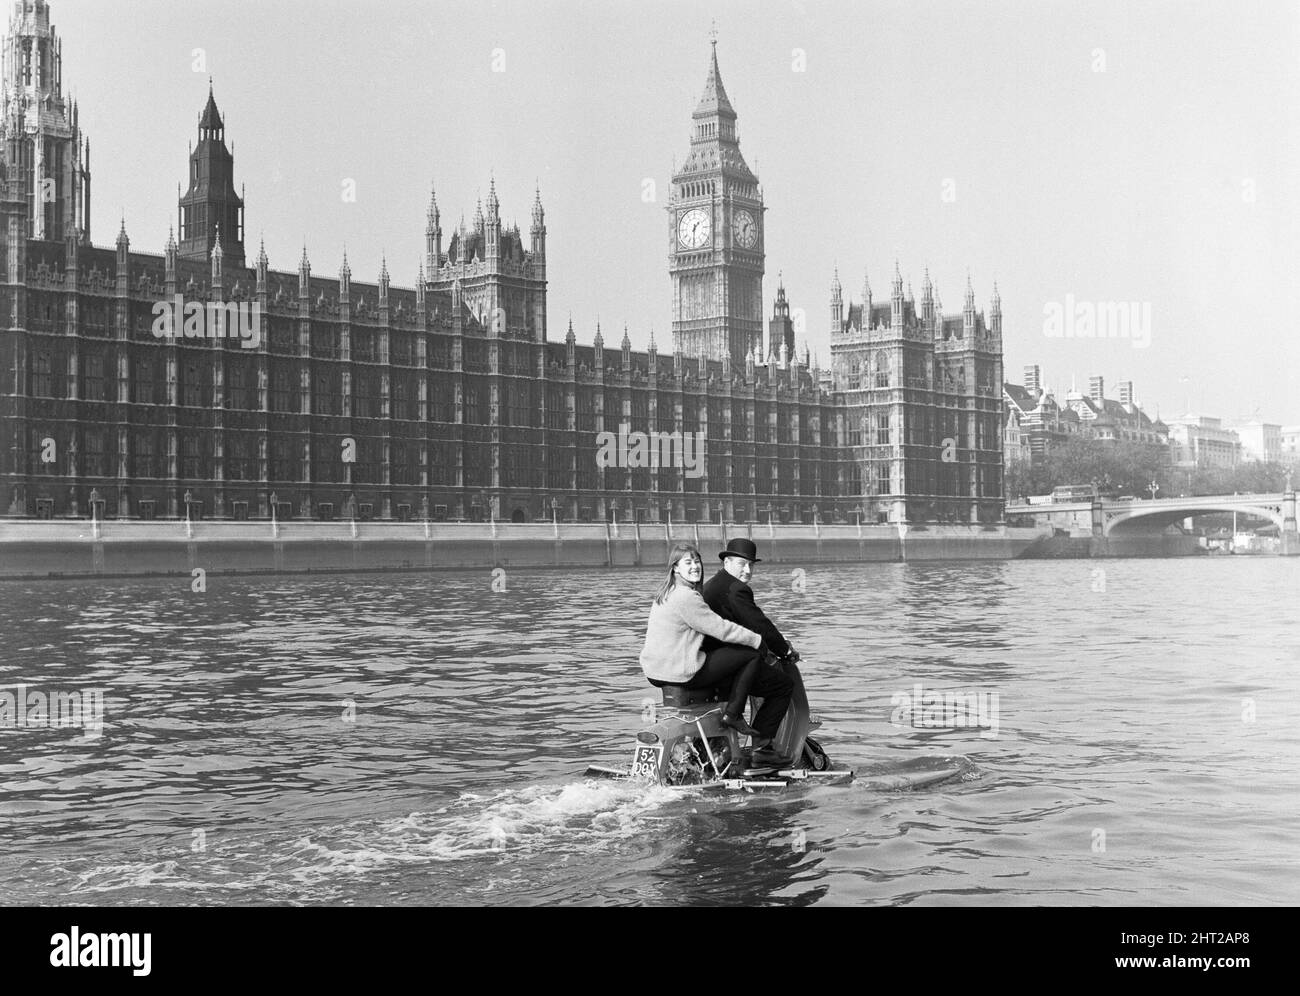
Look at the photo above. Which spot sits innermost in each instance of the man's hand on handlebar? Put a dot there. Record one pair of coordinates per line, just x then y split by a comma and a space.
791, 658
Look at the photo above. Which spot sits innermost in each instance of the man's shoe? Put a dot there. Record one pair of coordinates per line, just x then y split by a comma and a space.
738, 724
765, 757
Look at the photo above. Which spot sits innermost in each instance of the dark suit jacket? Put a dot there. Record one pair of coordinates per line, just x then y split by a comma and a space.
732, 599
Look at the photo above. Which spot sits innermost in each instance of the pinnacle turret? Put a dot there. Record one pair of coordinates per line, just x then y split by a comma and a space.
40, 134
433, 215
211, 199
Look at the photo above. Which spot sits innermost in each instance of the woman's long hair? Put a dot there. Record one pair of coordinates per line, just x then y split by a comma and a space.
679, 551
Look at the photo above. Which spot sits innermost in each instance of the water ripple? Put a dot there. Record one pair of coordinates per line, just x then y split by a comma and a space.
418, 740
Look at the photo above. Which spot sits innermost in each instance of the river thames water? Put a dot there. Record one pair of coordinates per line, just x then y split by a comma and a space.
420, 739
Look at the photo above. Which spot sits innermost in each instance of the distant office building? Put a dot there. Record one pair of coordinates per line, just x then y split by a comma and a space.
1289, 444
1096, 387
1202, 441
1043, 422
1261, 442
1115, 421
1034, 380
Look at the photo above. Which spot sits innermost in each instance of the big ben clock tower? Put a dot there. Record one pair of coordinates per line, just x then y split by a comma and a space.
715, 223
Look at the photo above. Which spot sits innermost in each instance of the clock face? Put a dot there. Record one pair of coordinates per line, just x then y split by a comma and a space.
694, 228
744, 230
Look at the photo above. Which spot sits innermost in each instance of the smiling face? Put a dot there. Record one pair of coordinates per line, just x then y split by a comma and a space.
689, 570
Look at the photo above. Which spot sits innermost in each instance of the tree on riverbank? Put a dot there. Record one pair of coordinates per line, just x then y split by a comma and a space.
1127, 468
1120, 468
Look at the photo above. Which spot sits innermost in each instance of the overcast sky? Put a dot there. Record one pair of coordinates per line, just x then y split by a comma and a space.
1113, 151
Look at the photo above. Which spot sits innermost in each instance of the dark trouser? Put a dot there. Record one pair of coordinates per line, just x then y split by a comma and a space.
744, 669
772, 685
731, 668
728, 667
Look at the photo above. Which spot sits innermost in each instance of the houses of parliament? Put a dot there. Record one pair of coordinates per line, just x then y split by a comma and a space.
450, 400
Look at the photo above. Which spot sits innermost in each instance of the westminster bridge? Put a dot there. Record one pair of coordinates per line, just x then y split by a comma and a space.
1114, 524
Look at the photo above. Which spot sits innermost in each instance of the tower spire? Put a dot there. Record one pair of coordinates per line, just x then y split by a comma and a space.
433, 215
211, 202
837, 303
433, 233
968, 310
896, 300
714, 101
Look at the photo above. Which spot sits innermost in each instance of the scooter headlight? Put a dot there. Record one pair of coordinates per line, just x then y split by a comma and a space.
646, 737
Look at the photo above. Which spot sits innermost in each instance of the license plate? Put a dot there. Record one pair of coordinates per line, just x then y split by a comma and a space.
645, 760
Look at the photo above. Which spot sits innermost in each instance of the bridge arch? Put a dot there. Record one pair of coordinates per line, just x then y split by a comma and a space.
1152, 517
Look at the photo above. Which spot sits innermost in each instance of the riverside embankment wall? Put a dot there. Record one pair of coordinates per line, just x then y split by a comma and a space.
76, 548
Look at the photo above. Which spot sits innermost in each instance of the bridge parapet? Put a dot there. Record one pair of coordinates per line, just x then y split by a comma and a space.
1104, 516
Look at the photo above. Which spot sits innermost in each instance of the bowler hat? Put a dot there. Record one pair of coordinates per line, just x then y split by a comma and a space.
741, 548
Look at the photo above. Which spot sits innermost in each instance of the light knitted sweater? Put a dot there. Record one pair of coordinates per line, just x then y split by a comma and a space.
677, 628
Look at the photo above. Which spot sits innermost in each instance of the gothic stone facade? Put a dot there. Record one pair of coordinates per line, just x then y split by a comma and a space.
922, 395
342, 398
365, 399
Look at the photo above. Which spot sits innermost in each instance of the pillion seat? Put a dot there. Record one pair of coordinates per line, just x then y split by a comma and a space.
681, 696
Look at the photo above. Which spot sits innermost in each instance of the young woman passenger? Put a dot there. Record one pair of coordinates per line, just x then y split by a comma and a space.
679, 622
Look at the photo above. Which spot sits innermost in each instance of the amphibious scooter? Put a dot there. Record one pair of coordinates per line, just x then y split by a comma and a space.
685, 744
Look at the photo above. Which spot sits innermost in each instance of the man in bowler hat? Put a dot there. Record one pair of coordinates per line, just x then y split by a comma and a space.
729, 595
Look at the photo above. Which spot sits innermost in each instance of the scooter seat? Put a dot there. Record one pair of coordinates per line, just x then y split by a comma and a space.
680, 695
